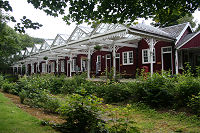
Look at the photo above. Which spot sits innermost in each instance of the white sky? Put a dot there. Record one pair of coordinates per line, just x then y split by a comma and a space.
51, 26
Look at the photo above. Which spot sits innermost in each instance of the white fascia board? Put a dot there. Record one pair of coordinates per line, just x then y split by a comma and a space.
182, 32
149, 35
126, 45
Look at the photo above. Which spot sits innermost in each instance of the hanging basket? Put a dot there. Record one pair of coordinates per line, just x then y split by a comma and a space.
45, 58
97, 48
22, 63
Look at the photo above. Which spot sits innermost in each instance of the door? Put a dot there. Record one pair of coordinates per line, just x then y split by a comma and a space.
167, 61
108, 62
117, 62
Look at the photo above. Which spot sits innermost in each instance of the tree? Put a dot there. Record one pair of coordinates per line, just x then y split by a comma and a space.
113, 11
176, 20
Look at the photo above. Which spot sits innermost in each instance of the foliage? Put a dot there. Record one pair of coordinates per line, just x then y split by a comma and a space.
194, 103
81, 113
113, 92
22, 96
121, 120
97, 47
174, 19
10, 88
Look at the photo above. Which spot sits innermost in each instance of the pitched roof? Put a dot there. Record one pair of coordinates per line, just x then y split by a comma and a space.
174, 30
150, 29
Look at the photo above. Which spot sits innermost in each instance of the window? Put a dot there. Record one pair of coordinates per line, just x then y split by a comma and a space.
43, 67
73, 65
98, 63
108, 56
146, 56
62, 65
52, 66
128, 58
117, 55
83, 64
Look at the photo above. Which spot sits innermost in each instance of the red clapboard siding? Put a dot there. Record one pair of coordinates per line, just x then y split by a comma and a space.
128, 69
158, 65
103, 59
195, 42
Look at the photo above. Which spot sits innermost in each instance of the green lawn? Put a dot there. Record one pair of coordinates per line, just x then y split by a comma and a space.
15, 120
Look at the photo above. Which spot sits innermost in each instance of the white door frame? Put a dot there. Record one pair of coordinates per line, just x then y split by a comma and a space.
162, 53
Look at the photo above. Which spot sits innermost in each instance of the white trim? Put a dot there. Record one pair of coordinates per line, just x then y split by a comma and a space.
128, 60
108, 59
148, 55
166, 53
98, 61
62, 66
182, 32
188, 40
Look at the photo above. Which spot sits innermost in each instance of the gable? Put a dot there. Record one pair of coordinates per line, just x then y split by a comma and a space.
191, 41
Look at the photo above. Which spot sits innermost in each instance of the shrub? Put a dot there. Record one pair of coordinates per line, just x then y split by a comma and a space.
81, 114
185, 88
114, 92
44, 100
2, 80
155, 92
194, 103
22, 96
11, 88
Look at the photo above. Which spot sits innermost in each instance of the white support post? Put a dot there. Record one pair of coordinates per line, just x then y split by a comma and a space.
70, 70
46, 66
114, 61
25, 68
151, 47
57, 64
17, 69
176, 60
38, 69
31, 68
88, 62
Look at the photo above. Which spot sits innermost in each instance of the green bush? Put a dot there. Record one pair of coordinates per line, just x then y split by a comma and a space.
2, 80
194, 103
185, 88
156, 93
81, 114
22, 96
113, 92
44, 100
11, 88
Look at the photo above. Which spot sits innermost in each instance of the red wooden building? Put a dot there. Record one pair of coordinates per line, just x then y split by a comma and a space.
123, 49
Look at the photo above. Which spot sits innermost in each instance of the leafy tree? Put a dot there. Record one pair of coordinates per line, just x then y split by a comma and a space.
175, 20
113, 11
198, 28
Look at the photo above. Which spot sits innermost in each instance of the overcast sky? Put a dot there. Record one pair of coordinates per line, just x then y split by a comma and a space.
51, 26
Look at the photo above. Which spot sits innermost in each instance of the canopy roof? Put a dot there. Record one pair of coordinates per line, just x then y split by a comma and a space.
103, 34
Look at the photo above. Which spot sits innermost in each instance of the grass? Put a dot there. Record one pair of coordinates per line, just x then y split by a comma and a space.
150, 121
14, 120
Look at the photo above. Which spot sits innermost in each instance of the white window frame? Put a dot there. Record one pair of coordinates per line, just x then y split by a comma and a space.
62, 66
99, 61
73, 65
148, 55
43, 67
83, 59
53, 66
128, 58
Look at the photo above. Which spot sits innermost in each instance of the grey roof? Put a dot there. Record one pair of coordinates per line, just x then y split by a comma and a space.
174, 30
186, 38
151, 29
